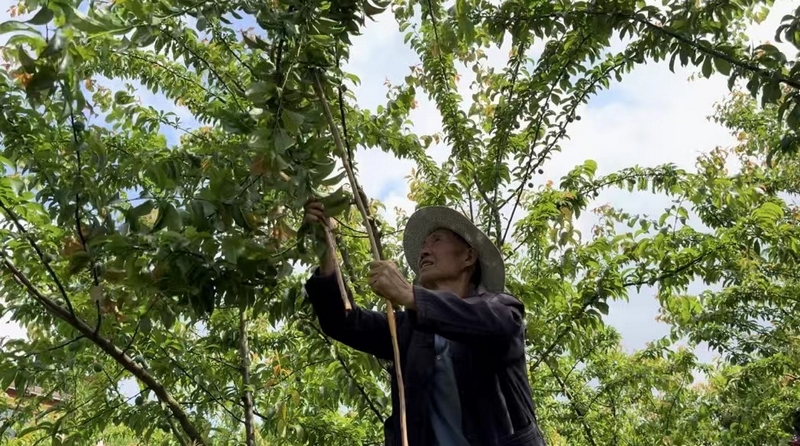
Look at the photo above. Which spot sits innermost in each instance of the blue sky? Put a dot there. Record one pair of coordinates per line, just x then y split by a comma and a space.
653, 117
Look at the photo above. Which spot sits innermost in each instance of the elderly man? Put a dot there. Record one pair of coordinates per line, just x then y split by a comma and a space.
461, 337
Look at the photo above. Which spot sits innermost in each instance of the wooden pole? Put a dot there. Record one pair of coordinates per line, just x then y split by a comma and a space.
376, 254
331, 242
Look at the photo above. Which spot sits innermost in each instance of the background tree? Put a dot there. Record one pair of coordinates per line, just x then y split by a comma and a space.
178, 263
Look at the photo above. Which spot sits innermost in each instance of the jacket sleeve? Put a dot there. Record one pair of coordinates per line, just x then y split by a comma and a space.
361, 329
491, 320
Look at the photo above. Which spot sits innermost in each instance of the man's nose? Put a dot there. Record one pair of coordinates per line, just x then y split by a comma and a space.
425, 252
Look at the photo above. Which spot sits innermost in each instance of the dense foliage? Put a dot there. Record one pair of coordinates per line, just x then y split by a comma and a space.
127, 256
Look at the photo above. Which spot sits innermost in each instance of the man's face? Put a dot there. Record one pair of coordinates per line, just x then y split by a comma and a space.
444, 257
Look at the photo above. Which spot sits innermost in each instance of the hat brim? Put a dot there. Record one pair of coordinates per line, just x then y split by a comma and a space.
430, 218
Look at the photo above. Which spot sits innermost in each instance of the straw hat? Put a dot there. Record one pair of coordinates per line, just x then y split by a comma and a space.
430, 218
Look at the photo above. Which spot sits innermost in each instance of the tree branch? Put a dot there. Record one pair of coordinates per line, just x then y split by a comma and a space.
56, 347
209, 67
78, 224
763, 72
174, 73
494, 214
15, 219
109, 348
500, 139
581, 311
247, 396
580, 413
350, 375
532, 166
200, 386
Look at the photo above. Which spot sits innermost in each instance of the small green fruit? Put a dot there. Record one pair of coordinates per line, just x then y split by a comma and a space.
139, 400
97, 367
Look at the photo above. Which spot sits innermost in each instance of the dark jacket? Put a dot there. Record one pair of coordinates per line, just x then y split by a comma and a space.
487, 335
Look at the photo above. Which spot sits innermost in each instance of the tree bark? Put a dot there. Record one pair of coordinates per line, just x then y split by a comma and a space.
247, 396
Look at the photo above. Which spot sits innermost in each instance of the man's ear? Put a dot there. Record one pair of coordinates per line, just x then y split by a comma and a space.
472, 256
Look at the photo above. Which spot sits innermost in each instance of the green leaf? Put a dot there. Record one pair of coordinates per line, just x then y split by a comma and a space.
88, 24
708, 69
770, 93
167, 216
143, 209
336, 203
723, 66
240, 219
14, 25
145, 325
768, 214
232, 248
79, 261
292, 121
590, 166
42, 17
282, 141
25, 60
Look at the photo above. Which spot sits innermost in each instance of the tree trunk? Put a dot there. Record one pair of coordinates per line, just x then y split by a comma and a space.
247, 397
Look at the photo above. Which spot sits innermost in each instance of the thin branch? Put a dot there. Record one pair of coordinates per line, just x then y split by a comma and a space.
236, 56
106, 409
350, 375
175, 431
500, 139
342, 113
62, 345
362, 233
209, 67
579, 413
331, 248
763, 72
194, 381
581, 311
9, 420
532, 166
175, 73
15, 219
495, 211
78, 224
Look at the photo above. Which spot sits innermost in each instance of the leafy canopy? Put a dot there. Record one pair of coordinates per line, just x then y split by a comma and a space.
137, 246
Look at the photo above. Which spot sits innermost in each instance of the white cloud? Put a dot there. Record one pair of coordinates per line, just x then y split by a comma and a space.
10, 329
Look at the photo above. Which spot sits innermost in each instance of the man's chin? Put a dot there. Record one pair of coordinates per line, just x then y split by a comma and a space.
426, 280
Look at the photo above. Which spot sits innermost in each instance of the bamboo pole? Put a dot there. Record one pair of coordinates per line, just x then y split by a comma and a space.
331, 242
376, 254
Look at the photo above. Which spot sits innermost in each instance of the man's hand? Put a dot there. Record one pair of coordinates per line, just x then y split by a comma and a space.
314, 216
315, 213
387, 281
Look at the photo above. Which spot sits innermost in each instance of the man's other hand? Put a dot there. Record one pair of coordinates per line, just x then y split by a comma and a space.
386, 281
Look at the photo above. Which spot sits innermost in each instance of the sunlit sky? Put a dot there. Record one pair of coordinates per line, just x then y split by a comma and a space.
654, 116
